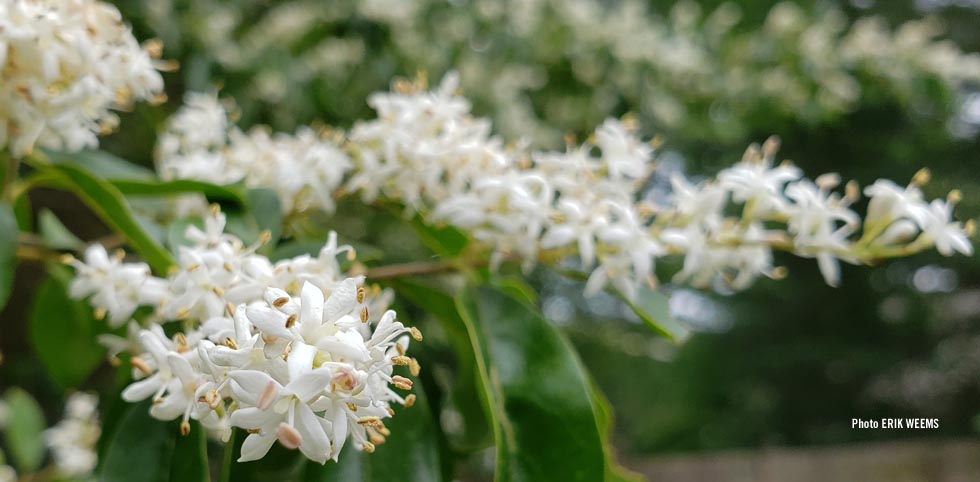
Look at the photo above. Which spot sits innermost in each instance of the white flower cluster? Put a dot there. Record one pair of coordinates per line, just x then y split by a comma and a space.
73, 440
428, 152
284, 350
65, 64
703, 74
201, 143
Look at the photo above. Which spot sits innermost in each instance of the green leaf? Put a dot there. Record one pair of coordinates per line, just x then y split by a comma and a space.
653, 307
141, 448
446, 241
604, 420
110, 205
8, 252
101, 164
536, 390
63, 332
410, 454
55, 234
261, 211
190, 457
24, 432
464, 392
149, 187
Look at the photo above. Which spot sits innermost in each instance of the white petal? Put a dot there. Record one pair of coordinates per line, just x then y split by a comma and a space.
269, 321
300, 359
341, 301
315, 444
310, 384
254, 417
256, 446
142, 389
311, 311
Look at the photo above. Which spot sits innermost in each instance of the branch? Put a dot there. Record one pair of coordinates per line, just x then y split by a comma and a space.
410, 269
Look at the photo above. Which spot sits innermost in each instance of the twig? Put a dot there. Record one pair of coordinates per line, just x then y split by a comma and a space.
410, 269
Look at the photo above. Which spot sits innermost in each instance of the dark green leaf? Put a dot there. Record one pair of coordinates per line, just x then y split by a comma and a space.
55, 234
464, 393
544, 424
190, 459
141, 448
107, 202
150, 187
8, 252
653, 307
24, 432
410, 454
63, 331
102, 164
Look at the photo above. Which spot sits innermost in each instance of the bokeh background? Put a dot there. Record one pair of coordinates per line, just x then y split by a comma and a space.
784, 364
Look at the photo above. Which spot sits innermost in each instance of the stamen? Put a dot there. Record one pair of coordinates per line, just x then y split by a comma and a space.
409, 400
414, 368
368, 447
291, 320
278, 302
401, 382
288, 436
401, 360
267, 396
364, 314
416, 333
141, 365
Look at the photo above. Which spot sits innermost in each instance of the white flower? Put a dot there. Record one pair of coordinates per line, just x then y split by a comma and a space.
115, 288
73, 440
939, 229
65, 65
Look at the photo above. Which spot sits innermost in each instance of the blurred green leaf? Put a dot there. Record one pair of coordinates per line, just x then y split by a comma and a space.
150, 187
261, 211
190, 457
110, 205
102, 164
24, 432
55, 234
464, 392
536, 389
446, 241
410, 454
63, 331
8, 252
141, 448
604, 420
653, 307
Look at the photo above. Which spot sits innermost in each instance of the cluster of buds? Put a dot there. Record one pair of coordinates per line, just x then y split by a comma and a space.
288, 351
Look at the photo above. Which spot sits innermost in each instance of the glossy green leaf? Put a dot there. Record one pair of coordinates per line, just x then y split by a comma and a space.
24, 430
63, 332
537, 391
150, 187
410, 454
653, 307
475, 432
102, 164
110, 205
55, 234
141, 448
8, 252
190, 456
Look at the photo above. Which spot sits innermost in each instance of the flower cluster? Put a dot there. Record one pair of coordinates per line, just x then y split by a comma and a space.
200, 143
706, 75
427, 151
284, 350
73, 440
66, 64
